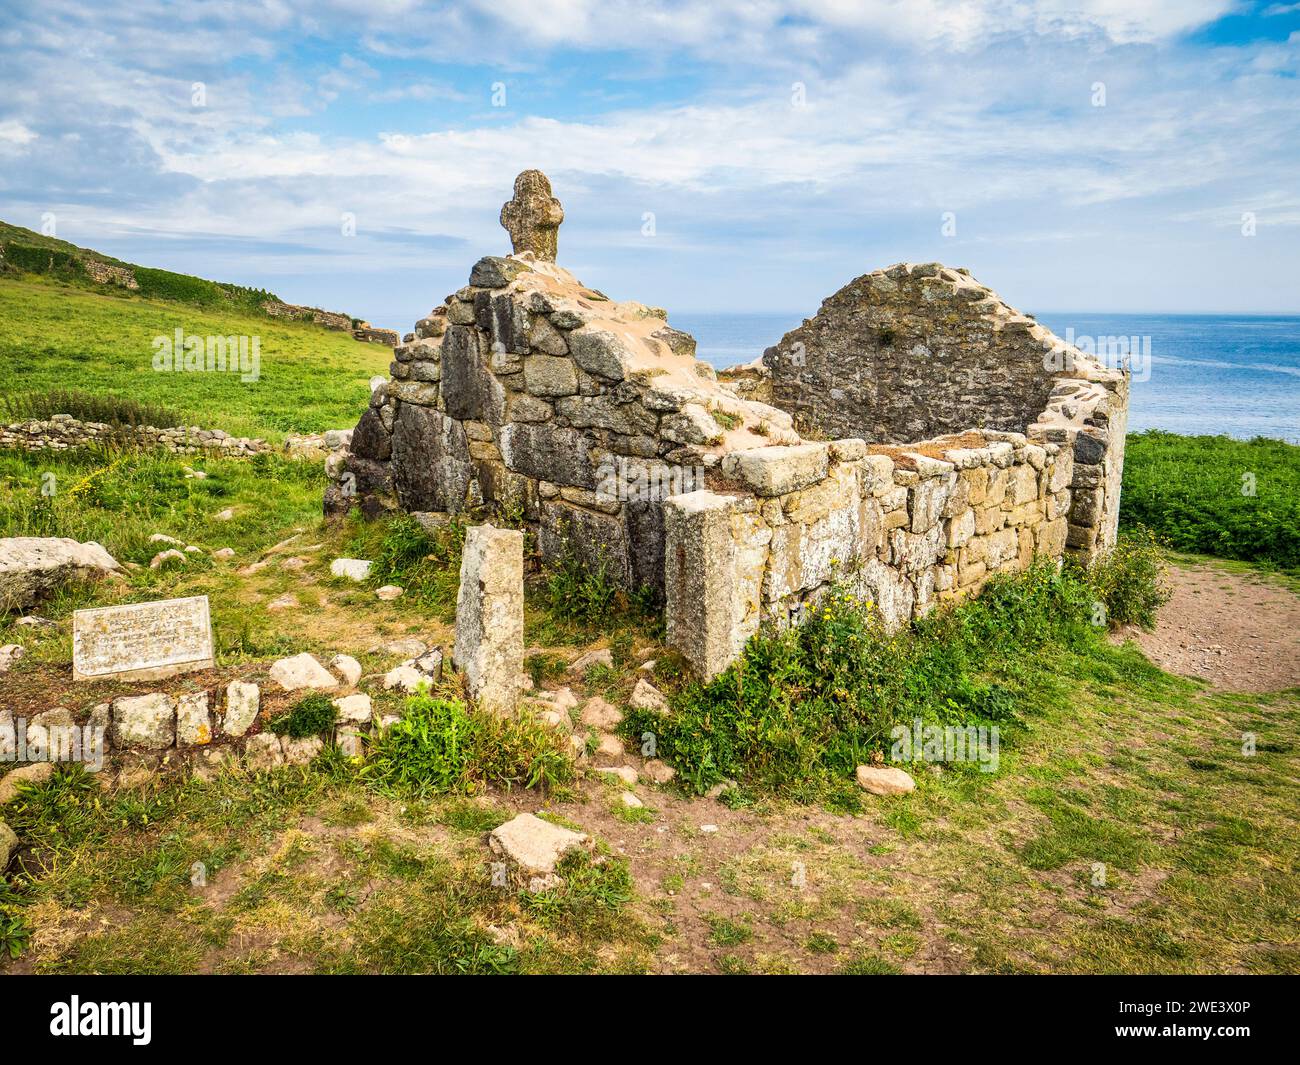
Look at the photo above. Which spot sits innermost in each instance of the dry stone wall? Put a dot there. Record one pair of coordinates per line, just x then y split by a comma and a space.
61, 431
903, 528
532, 395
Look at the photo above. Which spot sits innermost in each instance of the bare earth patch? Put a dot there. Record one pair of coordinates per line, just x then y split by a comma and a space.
1239, 631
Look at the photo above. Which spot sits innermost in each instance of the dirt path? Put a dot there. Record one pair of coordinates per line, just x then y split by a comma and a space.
1238, 631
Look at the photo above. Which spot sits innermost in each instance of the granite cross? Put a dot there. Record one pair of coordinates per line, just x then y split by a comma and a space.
533, 217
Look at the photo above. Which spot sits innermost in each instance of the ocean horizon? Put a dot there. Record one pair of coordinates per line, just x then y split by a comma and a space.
1231, 375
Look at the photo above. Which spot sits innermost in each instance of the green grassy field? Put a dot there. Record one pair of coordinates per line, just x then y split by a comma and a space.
1213, 495
59, 336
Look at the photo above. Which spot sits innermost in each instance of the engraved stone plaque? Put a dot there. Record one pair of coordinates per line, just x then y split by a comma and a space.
142, 641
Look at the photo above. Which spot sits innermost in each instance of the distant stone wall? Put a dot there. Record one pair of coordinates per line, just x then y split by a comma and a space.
294, 313
905, 527
61, 432
371, 335
107, 273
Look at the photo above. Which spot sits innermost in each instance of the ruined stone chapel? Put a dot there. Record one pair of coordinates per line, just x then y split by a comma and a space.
917, 435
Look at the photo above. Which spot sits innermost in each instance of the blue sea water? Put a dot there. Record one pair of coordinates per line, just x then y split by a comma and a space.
1238, 375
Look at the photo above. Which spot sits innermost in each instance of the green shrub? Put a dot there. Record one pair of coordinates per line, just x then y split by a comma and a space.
580, 593
310, 716
802, 707
425, 563
1127, 580
1213, 495
441, 746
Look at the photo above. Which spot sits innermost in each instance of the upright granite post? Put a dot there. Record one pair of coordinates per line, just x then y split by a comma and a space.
700, 580
490, 617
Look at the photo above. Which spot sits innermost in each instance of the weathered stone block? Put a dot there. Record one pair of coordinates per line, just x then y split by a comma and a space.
550, 376
601, 353
490, 616
774, 471
699, 576
193, 720
147, 721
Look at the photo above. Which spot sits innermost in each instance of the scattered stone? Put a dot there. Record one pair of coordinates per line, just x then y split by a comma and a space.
534, 848
33, 566
406, 677
350, 742
625, 773
600, 714
658, 772
884, 780
302, 671
163, 557
645, 696
708, 829
293, 563
263, 752
348, 668
430, 664
353, 709
610, 746
490, 616
354, 569
553, 718
36, 773
242, 701
288, 601
631, 801
389, 592
223, 554
9, 654
162, 538
223, 515
147, 721
193, 721
603, 657
407, 646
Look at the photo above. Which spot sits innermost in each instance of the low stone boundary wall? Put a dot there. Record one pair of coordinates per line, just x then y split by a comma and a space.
61, 432
905, 527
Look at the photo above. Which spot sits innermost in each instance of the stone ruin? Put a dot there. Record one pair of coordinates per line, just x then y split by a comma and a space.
915, 437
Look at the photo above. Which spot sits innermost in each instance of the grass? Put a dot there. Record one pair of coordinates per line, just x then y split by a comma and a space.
385, 896
310, 379
1213, 495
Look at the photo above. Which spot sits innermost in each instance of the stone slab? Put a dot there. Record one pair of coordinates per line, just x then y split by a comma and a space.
142, 641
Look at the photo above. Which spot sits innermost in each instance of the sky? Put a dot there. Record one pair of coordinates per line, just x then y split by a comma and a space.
729, 156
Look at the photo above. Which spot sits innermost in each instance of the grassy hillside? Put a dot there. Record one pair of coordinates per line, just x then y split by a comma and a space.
57, 335
1216, 496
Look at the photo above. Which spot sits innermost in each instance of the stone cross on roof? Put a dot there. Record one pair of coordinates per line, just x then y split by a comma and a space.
533, 217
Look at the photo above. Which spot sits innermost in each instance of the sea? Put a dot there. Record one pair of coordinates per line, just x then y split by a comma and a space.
1235, 375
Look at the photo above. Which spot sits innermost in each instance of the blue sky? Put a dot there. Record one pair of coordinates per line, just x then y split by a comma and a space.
1093, 155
